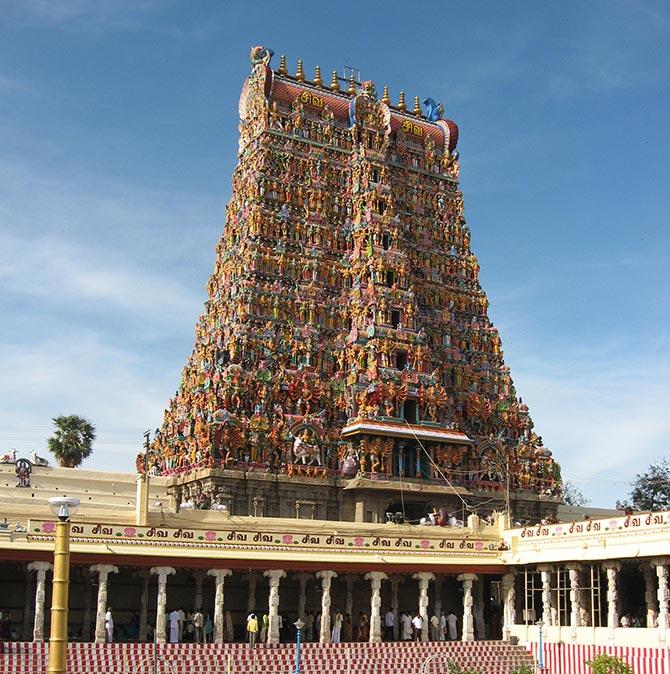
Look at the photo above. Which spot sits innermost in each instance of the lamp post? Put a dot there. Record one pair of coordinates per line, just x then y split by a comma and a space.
299, 624
540, 650
62, 507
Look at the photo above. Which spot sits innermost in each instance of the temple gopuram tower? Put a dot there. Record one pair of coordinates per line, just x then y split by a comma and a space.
344, 366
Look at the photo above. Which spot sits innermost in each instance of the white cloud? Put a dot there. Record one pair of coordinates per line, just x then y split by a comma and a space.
62, 271
602, 410
80, 374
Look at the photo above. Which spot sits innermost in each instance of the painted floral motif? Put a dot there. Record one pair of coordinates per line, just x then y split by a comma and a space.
359, 541
210, 535
425, 544
130, 532
287, 539
48, 527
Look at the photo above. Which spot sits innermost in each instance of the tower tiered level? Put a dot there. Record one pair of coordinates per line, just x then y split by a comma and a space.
345, 365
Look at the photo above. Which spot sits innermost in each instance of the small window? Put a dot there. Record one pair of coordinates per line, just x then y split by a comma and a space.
395, 317
381, 207
386, 241
390, 278
400, 360
375, 175
409, 411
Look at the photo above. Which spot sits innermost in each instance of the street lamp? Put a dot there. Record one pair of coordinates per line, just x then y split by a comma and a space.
298, 624
62, 507
540, 650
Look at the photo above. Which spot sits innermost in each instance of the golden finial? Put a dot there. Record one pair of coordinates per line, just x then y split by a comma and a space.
385, 96
401, 102
352, 86
317, 77
283, 70
417, 107
300, 75
334, 84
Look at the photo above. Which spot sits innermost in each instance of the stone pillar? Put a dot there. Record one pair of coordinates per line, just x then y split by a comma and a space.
349, 579
650, 593
303, 578
27, 601
663, 595
424, 578
575, 599
103, 571
468, 621
547, 604
161, 624
251, 596
508, 587
41, 569
437, 599
478, 609
220, 576
143, 575
375, 578
275, 575
198, 577
395, 581
612, 568
324, 628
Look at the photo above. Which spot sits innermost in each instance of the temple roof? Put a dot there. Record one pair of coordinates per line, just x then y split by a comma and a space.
404, 430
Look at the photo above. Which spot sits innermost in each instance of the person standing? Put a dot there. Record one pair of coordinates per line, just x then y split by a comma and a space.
389, 624
443, 627
265, 623
182, 620
252, 629
452, 622
336, 632
209, 629
348, 629
109, 626
173, 620
406, 626
198, 622
435, 627
417, 624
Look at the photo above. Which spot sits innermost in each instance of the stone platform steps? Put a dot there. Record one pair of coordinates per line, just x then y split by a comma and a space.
350, 658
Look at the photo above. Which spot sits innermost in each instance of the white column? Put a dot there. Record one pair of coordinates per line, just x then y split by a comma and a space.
395, 581
650, 594
220, 576
545, 575
41, 569
424, 578
509, 608
251, 596
663, 595
143, 575
612, 569
303, 578
161, 625
275, 575
103, 571
324, 628
575, 599
375, 578
468, 621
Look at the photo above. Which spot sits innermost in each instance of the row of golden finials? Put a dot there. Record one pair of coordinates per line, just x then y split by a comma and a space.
335, 86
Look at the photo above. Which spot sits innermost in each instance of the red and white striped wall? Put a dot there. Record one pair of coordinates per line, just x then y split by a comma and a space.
562, 658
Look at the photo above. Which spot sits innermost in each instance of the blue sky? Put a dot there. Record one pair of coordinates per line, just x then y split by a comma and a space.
118, 136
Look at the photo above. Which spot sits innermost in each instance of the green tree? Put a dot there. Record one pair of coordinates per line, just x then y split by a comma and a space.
651, 490
608, 664
72, 440
574, 496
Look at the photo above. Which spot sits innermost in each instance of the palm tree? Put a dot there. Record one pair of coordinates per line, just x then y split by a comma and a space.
72, 440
